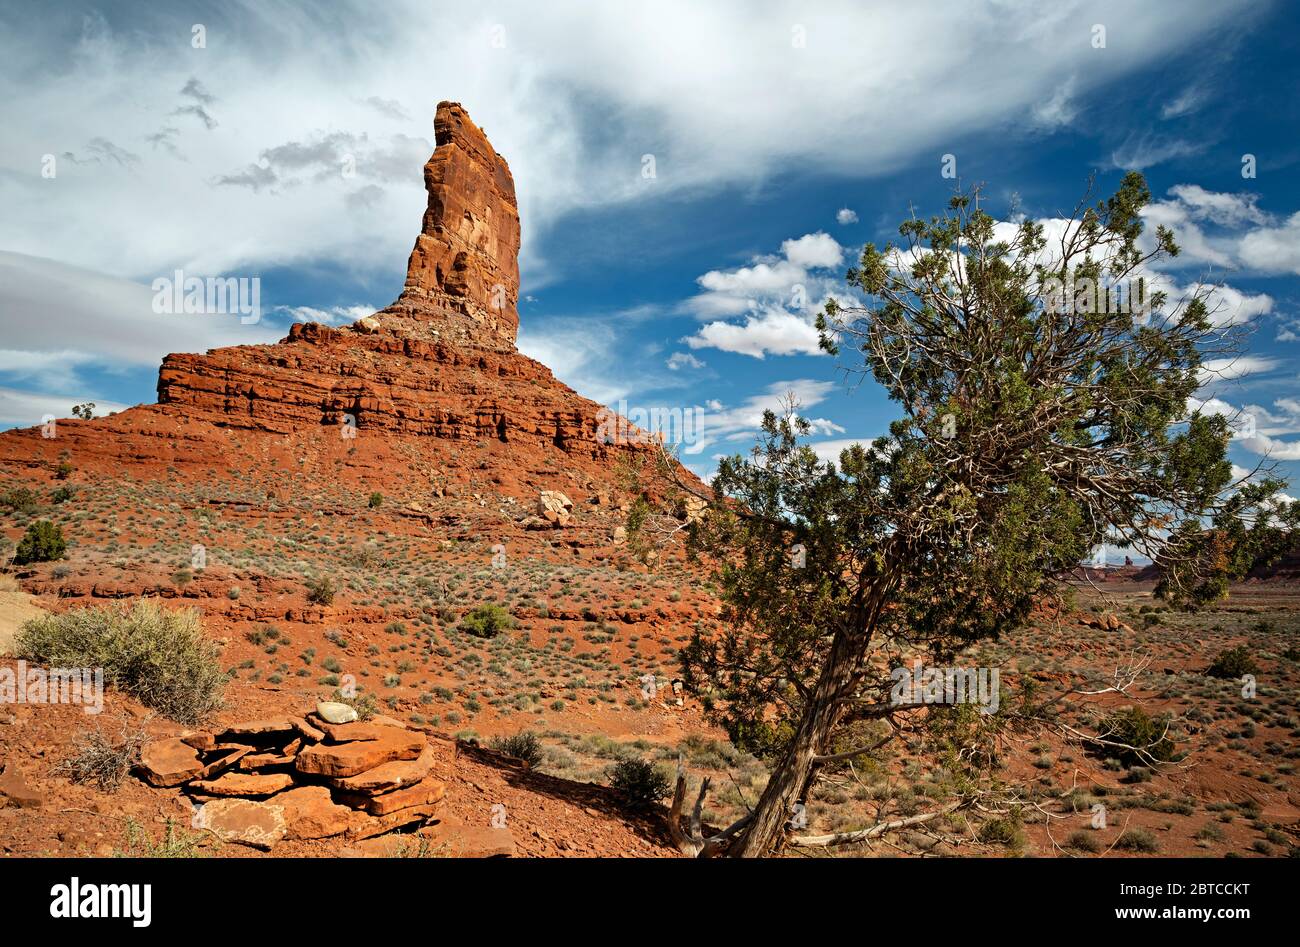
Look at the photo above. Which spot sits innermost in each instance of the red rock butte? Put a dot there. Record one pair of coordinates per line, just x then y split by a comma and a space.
438, 367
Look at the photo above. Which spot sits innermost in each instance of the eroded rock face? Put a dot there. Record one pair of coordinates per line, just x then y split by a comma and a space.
466, 256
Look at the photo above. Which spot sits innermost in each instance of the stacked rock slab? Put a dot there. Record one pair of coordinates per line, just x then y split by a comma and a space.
265, 781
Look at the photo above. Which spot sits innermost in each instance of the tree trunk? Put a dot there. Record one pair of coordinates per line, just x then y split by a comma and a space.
794, 774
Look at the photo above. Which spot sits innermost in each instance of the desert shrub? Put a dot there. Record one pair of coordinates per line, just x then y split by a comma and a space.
642, 783
1134, 727
1138, 840
63, 471
487, 621
1001, 831
20, 500
159, 657
98, 761
43, 542
62, 495
376, 500
1083, 841
1233, 663
522, 746
320, 591
175, 843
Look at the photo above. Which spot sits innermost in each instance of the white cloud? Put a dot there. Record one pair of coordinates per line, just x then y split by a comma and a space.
1059, 110
846, 216
813, 251
1186, 102
1273, 249
679, 360
335, 315
773, 331
778, 298
743, 422
573, 99
1228, 369
58, 319
1141, 151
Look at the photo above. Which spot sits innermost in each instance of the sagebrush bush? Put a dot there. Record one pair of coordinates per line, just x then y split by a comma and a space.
522, 746
642, 783
487, 621
159, 657
320, 591
1145, 738
43, 542
1138, 840
1233, 663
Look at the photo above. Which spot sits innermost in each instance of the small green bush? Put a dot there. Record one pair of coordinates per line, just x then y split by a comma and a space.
642, 783
159, 657
487, 621
376, 500
20, 500
522, 746
1134, 727
43, 542
1233, 663
1138, 840
320, 591
1083, 841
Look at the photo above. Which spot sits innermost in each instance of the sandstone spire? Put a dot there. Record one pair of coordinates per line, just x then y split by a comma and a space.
463, 274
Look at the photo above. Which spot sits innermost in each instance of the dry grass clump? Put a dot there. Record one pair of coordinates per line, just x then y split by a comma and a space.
159, 657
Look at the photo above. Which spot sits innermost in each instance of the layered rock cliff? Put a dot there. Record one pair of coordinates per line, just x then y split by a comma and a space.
440, 361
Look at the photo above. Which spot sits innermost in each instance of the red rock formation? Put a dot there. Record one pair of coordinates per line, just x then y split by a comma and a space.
466, 257
438, 365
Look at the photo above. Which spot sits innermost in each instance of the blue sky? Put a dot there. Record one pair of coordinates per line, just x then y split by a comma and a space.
783, 137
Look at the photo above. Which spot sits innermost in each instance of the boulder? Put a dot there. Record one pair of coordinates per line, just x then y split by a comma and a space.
333, 712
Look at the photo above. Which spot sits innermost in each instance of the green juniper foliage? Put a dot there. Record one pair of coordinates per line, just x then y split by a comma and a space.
1036, 422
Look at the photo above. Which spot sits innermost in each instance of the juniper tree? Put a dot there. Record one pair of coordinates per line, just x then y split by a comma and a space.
1036, 422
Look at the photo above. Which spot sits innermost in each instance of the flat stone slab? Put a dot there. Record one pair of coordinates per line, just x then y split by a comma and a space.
223, 763
349, 759
259, 824
169, 762
390, 776
310, 813
244, 784
380, 825
423, 793
259, 728
473, 841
